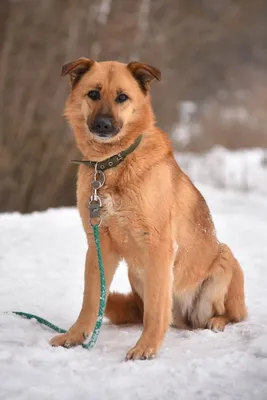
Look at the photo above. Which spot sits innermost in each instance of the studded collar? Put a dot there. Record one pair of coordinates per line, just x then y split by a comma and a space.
112, 161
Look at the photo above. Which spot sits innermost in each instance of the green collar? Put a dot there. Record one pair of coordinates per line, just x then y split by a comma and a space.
111, 161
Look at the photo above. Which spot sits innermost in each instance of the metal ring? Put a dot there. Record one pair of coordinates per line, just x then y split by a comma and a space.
95, 198
98, 223
102, 177
110, 163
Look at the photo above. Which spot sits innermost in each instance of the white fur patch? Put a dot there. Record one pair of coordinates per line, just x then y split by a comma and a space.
175, 248
186, 301
108, 205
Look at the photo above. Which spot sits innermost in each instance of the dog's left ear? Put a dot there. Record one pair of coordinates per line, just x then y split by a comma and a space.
76, 69
144, 74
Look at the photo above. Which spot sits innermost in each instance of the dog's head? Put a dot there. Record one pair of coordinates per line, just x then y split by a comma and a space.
108, 99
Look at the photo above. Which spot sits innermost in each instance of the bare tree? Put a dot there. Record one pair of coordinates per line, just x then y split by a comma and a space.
201, 46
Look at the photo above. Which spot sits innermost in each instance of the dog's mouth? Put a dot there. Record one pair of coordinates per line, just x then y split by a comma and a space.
104, 127
103, 135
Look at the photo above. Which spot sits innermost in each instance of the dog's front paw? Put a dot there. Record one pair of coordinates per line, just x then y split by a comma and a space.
141, 352
69, 339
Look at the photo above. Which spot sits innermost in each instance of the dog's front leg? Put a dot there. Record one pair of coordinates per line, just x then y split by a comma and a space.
157, 300
88, 314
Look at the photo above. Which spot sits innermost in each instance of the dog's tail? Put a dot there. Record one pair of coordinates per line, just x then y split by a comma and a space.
124, 308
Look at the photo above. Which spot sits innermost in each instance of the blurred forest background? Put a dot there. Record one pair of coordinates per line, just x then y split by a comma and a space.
213, 58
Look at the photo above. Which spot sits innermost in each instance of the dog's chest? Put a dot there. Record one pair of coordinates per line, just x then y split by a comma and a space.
114, 210
119, 214
109, 205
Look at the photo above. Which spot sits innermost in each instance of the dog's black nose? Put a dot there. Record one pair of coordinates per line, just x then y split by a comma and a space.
103, 125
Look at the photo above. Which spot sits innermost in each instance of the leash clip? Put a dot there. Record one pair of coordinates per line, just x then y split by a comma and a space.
95, 202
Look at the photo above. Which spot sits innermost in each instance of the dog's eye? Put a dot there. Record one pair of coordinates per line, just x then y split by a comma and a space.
94, 95
122, 98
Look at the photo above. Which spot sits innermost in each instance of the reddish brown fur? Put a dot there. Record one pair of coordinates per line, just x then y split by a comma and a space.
124, 308
150, 207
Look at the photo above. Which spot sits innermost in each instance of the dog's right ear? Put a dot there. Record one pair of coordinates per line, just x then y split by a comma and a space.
76, 69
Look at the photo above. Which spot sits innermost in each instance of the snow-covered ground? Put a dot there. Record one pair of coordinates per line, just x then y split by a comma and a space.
244, 170
41, 270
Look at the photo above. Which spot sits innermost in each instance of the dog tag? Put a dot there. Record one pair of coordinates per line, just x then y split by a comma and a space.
96, 185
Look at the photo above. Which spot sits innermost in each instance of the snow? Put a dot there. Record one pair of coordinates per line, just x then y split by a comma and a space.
244, 169
41, 269
188, 127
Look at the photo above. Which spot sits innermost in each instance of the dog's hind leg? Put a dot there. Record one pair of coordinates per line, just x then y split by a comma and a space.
210, 296
235, 307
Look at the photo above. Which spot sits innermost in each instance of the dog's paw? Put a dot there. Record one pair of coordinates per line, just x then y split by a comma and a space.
141, 352
69, 339
217, 324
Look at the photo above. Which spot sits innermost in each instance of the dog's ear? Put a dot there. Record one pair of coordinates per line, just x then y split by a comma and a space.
76, 69
144, 74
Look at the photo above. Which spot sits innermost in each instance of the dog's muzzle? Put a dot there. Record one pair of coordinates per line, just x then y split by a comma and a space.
104, 127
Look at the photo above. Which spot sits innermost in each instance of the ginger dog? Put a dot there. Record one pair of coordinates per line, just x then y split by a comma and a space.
152, 216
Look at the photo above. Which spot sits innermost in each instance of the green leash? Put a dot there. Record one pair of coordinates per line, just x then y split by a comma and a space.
102, 302
94, 205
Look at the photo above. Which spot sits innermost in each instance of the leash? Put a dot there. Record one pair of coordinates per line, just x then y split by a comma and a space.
95, 220
94, 205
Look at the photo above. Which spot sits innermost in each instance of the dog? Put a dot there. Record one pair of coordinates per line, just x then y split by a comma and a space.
152, 216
